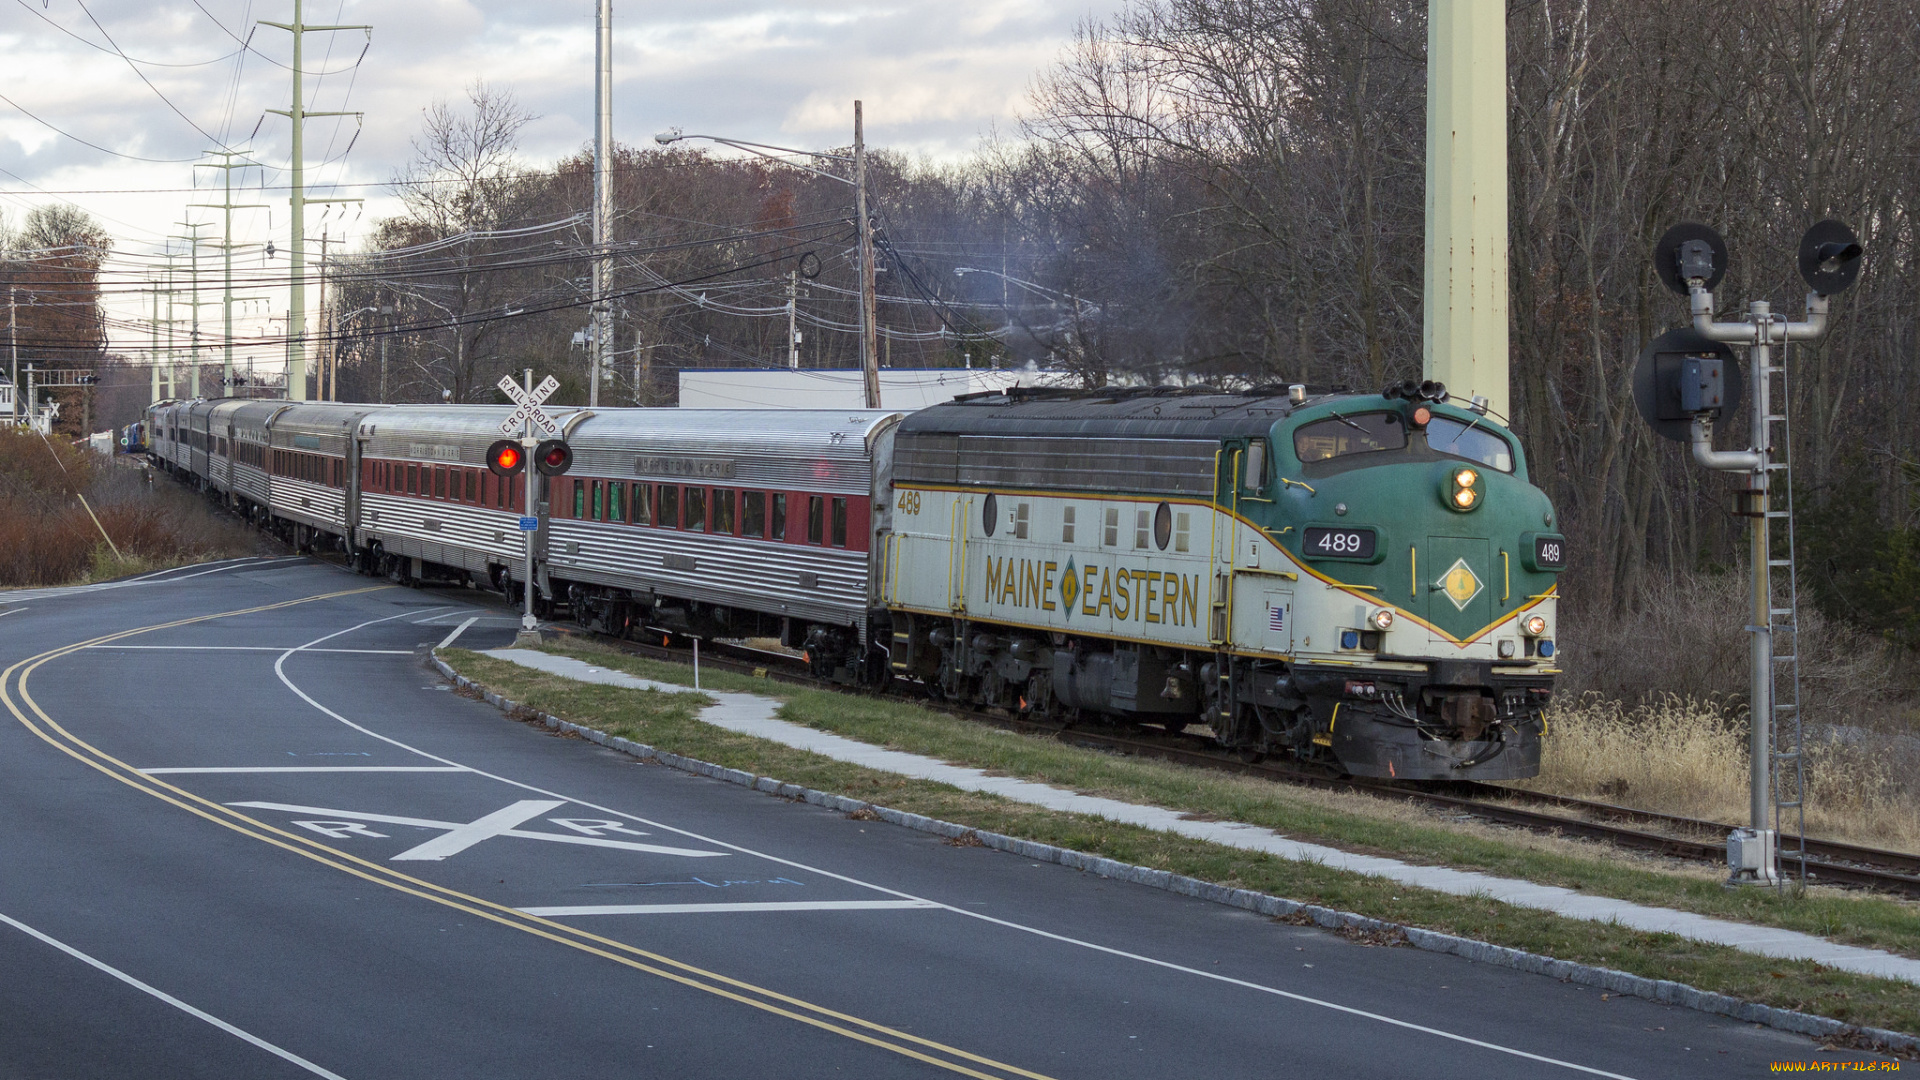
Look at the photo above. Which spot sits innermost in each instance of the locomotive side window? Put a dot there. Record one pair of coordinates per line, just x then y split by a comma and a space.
695, 518
1110, 533
840, 522
989, 514
753, 513
1162, 526
669, 506
1343, 435
1254, 476
1181, 530
1141, 523
723, 511
1066, 525
1021, 514
779, 523
1454, 438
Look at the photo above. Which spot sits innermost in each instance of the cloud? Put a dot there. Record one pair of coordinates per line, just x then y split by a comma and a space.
934, 76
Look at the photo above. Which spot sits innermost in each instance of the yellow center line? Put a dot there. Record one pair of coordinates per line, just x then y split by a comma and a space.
607, 948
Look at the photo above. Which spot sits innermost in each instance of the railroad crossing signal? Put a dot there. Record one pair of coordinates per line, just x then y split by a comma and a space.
529, 411
553, 457
505, 458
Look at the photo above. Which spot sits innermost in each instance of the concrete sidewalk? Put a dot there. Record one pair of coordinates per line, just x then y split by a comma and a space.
752, 714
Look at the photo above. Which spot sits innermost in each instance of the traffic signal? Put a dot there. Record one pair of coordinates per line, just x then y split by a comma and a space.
505, 458
553, 457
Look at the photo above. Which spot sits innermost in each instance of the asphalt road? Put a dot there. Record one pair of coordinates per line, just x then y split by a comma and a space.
245, 831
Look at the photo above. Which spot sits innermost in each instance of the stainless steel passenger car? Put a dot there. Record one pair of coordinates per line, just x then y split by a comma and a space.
727, 523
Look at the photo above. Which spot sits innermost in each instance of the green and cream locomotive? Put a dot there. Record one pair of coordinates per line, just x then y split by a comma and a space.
1366, 580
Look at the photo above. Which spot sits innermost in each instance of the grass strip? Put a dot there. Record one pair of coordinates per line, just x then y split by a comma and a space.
670, 722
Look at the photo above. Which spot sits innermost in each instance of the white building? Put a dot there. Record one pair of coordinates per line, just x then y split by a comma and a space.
905, 389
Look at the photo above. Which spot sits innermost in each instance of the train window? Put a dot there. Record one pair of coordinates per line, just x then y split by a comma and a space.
1342, 435
777, 528
643, 504
668, 507
695, 517
473, 485
440, 482
840, 522
616, 501
1181, 530
598, 511
413, 479
1254, 476
1453, 438
723, 511
1142, 521
579, 497
989, 514
1022, 512
816, 519
1110, 530
1066, 525
753, 513
1162, 526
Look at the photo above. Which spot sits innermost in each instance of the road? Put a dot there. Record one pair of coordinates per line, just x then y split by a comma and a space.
249, 833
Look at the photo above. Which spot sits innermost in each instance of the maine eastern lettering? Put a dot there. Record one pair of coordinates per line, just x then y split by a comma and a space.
1118, 592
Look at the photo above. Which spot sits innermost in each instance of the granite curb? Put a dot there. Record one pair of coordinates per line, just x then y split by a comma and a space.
1664, 991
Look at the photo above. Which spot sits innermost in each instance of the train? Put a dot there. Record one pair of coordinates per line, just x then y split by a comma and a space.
1363, 581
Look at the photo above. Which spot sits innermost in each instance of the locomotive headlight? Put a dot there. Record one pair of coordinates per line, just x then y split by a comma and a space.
1382, 619
1535, 626
1461, 489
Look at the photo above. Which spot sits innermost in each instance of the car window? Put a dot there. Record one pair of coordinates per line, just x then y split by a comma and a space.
1362, 433
1464, 440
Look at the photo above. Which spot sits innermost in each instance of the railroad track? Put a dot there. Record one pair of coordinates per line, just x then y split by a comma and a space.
1828, 862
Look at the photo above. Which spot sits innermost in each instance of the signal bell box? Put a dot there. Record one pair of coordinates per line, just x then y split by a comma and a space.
1702, 384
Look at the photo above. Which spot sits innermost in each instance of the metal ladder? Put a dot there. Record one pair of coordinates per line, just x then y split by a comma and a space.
1788, 762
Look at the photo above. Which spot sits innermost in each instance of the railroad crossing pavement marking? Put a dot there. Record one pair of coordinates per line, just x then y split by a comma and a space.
745, 906
458, 836
456, 632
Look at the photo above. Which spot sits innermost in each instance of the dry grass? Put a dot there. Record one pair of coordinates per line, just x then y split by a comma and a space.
48, 538
1688, 756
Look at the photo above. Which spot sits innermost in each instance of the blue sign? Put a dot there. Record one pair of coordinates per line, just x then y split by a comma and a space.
529, 524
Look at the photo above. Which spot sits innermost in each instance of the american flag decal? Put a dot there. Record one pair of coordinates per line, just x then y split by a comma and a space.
1277, 619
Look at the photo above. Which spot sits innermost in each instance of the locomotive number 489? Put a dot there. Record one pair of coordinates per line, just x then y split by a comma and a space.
1339, 543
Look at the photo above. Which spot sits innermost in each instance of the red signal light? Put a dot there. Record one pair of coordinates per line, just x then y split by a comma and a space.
553, 457
505, 458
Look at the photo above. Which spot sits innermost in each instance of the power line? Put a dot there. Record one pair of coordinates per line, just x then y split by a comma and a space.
96, 146
135, 68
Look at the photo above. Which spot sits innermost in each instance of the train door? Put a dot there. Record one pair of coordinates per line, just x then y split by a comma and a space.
1458, 584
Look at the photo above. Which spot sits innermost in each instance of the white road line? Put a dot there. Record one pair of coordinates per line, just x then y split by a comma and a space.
461, 837
700, 909
253, 648
307, 768
10, 611
457, 631
243, 1036
1303, 999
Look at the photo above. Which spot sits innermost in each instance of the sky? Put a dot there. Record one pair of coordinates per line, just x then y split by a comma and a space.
152, 85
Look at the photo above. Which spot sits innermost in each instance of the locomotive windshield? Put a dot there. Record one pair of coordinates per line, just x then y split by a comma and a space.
1455, 439
1363, 433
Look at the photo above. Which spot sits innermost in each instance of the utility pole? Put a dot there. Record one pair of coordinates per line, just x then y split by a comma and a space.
386, 335
153, 351
13, 347
869, 344
226, 165
193, 363
329, 354
793, 315
602, 198
1465, 320
297, 200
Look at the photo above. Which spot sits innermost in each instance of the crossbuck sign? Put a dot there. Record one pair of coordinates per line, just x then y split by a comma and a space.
529, 411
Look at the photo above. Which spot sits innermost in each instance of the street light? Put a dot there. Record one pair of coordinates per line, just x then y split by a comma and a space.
869, 321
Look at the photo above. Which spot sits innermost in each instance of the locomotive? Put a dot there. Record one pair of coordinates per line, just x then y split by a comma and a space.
1363, 580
